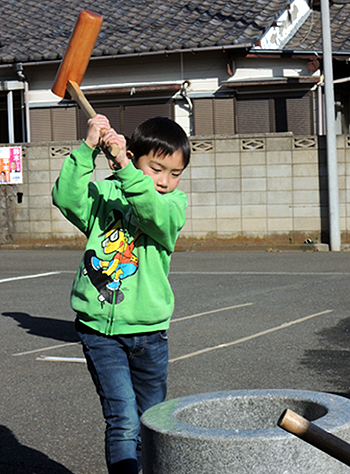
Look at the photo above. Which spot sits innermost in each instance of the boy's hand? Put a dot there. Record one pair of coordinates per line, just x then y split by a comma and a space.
96, 126
101, 133
111, 137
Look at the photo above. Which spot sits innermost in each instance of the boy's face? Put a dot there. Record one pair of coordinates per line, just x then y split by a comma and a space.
164, 170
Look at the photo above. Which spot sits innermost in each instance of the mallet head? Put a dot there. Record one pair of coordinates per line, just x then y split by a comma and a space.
78, 53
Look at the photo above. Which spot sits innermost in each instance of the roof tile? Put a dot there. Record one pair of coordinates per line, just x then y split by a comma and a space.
309, 35
35, 31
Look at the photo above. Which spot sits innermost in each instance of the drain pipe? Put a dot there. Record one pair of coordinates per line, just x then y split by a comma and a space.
320, 106
18, 67
10, 117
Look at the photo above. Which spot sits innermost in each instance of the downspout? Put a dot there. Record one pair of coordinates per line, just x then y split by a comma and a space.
18, 67
10, 117
320, 101
320, 106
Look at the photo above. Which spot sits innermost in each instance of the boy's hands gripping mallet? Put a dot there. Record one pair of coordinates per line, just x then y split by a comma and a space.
74, 64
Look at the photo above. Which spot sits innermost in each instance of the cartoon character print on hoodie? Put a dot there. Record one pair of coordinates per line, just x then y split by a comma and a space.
119, 263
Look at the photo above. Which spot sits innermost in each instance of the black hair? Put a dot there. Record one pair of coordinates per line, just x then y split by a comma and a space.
160, 135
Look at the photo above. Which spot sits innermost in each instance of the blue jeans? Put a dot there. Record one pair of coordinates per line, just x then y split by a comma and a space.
130, 374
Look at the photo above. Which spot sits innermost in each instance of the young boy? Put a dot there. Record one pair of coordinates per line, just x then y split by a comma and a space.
121, 292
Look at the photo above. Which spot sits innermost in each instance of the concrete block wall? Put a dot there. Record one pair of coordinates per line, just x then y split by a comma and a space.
261, 186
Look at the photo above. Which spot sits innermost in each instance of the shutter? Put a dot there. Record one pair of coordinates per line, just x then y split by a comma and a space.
124, 119
253, 116
134, 115
64, 123
53, 124
294, 114
203, 117
223, 117
40, 125
299, 115
81, 124
110, 111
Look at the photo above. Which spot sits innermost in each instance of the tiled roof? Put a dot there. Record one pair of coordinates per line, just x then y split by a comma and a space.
309, 35
33, 30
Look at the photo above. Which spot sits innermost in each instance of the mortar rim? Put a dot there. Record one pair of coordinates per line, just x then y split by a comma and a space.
162, 417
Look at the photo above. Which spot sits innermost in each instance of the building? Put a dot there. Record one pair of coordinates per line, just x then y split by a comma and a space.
244, 79
216, 67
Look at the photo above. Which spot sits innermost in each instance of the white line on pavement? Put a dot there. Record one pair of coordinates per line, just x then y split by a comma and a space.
46, 349
80, 360
192, 354
261, 273
74, 343
38, 275
249, 338
210, 312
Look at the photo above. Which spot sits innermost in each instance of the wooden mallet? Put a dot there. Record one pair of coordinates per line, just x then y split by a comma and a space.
74, 64
313, 434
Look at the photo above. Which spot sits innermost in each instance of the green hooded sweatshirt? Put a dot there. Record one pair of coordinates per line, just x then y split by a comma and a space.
121, 286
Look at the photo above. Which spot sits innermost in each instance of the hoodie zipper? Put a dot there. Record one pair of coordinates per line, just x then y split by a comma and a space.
111, 316
111, 313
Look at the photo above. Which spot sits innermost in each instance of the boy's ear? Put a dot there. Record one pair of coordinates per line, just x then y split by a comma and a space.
130, 155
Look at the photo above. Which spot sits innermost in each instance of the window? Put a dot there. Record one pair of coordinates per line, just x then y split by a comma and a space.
19, 131
136, 114
246, 114
53, 124
253, 116
213, 117
280, 113
70, 123
294, 114
124, 118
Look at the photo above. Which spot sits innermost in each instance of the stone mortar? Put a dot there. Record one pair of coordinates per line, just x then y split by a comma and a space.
236, 432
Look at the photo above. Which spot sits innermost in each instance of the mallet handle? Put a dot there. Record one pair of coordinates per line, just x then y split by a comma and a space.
78, 96
313, 434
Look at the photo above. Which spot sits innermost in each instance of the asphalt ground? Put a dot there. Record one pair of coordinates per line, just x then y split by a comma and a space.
243, 320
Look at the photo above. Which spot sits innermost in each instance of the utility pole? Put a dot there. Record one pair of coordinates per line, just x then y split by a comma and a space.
331, 139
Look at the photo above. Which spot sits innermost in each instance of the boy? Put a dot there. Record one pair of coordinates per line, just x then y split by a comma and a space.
121, 292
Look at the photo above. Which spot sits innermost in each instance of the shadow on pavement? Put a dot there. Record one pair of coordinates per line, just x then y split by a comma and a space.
45, 327
332, 359
15, 458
